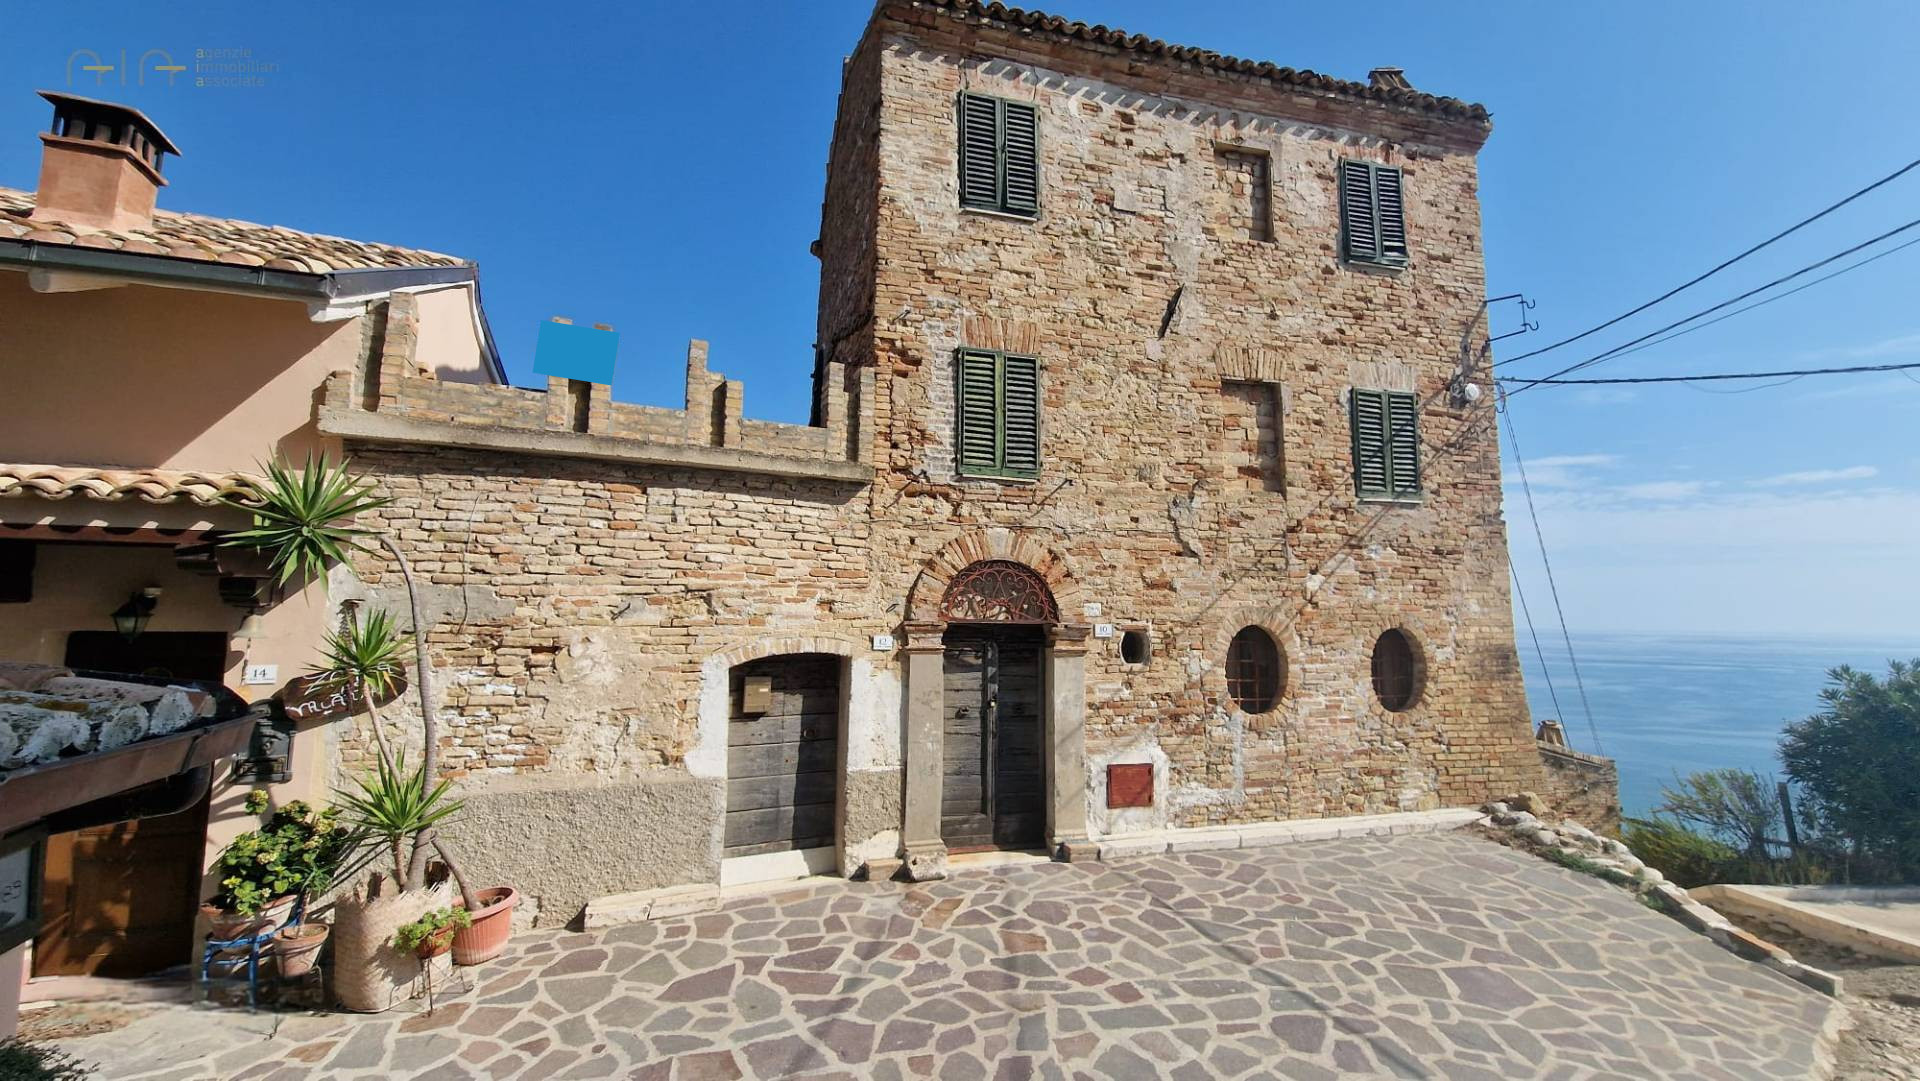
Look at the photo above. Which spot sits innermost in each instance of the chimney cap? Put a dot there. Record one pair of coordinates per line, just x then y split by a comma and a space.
1389, 79
64, 103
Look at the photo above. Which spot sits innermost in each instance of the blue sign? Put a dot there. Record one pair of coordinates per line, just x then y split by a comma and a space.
575, 352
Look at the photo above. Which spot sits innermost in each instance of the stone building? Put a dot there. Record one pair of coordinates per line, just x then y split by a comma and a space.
1144, 491
1150, 484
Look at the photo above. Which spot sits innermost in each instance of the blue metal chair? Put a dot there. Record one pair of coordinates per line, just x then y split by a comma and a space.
252, 943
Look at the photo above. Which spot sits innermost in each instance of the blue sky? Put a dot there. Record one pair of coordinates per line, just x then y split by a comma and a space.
660, 170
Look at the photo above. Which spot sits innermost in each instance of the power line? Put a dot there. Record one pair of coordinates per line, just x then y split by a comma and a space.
1552, 587
1896, 174
1616, 350
1521, 595
1794, 373
1777, 296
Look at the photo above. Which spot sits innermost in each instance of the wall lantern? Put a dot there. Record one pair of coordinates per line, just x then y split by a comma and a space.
131, 618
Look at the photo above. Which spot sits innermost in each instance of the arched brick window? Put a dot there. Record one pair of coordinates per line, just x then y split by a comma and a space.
1254, 670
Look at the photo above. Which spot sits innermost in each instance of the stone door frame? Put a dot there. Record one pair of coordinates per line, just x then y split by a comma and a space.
708, 758
1063, 704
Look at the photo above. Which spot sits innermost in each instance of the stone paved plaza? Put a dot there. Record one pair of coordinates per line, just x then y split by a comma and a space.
1426, 956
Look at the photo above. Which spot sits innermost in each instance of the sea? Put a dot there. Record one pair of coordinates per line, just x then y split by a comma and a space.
1668, 705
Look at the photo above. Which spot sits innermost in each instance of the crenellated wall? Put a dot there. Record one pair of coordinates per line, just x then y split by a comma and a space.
391, 383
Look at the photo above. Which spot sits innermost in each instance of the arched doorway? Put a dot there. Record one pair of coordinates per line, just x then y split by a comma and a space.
993, 790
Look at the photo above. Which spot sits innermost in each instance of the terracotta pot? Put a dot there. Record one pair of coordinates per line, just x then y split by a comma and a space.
295, 949
436, 943
492, 927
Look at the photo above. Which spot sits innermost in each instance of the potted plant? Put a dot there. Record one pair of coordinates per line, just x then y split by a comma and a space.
263, 872
432, 934
296, 948
300, 520
491, 925
392, 807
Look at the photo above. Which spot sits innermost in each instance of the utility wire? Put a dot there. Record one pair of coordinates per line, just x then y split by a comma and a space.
1616, 350
1794, 373
1896, 174
1777, 296
1521, 595
1540, 537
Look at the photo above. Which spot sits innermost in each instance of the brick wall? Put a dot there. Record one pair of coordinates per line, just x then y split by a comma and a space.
1583, 787
574, 602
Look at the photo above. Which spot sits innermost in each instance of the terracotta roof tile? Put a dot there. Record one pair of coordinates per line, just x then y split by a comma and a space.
151, 485
1449, 108
217, 240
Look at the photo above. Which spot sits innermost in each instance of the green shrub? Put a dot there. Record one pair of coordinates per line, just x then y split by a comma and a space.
1856, 766
1688, 858
1692, 859
297, 851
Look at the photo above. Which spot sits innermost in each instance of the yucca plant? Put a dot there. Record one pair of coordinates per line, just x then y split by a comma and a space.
395, 806
300, 516
302, 520
368, 657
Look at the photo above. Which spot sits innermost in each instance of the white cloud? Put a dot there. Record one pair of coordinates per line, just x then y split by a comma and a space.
1778, 560
1553, 461
1900, 345
1664, 489
1563, 470
1605, 395
1815, 476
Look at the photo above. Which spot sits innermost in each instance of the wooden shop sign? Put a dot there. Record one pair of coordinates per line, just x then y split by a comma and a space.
316, 698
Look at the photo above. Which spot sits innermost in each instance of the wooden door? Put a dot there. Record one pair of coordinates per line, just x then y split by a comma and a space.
783, 763
119, 900
991, 796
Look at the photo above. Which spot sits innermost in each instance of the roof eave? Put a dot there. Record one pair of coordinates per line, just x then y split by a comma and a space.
322, 289
1467, 124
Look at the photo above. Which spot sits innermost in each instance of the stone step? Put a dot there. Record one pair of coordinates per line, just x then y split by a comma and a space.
1263, 834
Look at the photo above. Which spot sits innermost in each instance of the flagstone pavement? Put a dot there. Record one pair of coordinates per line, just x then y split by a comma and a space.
1441, 956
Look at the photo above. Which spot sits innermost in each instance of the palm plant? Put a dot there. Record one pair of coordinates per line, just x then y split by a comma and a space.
301, 520
368, 657
394, 806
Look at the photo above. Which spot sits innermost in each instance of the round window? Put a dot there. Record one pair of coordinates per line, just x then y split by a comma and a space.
1253, 670
1396, 671
1135, 647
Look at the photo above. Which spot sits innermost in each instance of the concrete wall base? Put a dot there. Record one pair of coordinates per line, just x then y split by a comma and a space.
563, 844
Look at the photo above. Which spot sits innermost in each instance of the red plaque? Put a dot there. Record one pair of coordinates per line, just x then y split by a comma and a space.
1130, 785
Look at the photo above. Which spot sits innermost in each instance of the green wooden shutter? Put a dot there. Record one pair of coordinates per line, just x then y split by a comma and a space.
979, 412
1020, 147
1020, 416
1403, 438
1357, 222
1390, 213
1370, 470
979, 152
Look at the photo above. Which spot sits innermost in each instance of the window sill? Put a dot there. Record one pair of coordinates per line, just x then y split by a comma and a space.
997, 478
1396, 500
1366, 267
1004, 215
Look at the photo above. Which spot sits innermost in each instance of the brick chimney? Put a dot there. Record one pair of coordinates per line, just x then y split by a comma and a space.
99, 165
